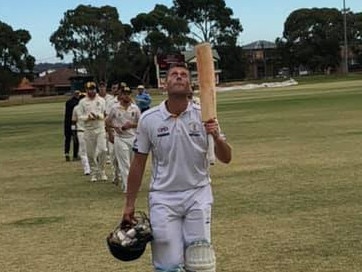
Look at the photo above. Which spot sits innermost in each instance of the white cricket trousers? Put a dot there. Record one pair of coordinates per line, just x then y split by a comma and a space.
83, 152
113, 159
177, 220
124, 154
96, 146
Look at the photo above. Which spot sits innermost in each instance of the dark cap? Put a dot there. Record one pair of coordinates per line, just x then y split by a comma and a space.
90, 85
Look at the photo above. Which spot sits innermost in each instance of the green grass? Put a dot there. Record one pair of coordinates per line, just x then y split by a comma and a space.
289, 201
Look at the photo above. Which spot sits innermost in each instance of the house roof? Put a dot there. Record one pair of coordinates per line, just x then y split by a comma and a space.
59, 77
191, 57
24, 85
261, 44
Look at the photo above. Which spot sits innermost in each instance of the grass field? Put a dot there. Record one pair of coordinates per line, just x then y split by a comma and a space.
291, 200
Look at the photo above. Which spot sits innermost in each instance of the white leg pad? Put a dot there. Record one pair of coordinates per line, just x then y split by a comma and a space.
200, 257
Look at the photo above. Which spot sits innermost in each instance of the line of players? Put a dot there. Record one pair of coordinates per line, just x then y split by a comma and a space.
103, 128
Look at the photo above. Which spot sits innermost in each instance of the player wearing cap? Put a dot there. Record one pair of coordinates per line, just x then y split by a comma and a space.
121, 125
143, 99
111, 159
92, 109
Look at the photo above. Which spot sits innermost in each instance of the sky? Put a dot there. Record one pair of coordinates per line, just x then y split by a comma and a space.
261, 19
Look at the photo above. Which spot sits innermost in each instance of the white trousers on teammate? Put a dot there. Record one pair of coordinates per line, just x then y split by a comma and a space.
124, 154
96, 151
113, 159
177, 220
83, 152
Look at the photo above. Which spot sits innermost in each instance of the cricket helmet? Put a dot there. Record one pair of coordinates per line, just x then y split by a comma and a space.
129, 240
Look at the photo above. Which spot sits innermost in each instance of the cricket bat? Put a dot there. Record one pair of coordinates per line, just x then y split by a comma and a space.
206, 78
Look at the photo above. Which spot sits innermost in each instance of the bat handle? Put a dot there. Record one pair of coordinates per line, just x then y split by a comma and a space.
210, 149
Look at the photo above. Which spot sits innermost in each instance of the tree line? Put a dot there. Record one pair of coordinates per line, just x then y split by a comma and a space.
97, 39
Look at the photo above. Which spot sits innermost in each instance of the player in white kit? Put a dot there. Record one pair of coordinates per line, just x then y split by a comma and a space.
92, 109
121, 124
180, 196
79, 125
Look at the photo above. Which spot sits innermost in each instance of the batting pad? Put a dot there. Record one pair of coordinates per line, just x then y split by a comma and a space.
200, 257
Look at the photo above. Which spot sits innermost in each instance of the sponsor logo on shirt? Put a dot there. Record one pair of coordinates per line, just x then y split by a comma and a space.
162, 131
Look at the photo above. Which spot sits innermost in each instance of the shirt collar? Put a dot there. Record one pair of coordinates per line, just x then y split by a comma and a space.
166, 114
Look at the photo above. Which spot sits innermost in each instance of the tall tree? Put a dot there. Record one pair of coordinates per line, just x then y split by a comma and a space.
354, 30
92, 35
14, 55
312, 38
160, 30
210, 21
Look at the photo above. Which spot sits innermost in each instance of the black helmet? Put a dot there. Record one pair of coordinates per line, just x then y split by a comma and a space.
129, 240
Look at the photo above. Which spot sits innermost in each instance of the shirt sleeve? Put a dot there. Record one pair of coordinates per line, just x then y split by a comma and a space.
74, 114
83, 116
142, 143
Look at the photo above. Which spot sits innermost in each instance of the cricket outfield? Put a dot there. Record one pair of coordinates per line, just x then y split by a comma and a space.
290, 200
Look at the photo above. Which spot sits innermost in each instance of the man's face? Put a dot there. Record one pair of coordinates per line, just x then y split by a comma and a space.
91, 92
102, 90
125, 97
115, 89
178, 81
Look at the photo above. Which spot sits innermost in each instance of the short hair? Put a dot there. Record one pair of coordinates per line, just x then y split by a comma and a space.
177, 64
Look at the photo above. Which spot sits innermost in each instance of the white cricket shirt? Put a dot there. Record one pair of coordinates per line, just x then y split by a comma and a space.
178, 146
96, 106
119, 116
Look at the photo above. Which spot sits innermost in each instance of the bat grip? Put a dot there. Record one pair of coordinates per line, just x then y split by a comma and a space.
210, 149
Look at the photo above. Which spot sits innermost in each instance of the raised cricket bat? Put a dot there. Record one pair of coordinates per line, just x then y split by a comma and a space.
206, 77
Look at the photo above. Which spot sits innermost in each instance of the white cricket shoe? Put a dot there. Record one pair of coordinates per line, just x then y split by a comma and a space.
104, 177
93, 178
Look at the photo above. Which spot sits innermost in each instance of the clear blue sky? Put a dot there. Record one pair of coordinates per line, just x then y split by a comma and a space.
261, 19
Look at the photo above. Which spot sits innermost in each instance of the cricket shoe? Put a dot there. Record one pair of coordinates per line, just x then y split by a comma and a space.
104, 177
116, 181
94, 178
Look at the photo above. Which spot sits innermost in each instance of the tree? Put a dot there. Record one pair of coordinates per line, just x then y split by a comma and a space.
92, 35
14, 55
354, 30
209, 20
312, 38
232, 63
160, 30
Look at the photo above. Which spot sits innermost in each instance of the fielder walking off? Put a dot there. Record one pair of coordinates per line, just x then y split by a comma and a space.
180, 197
121, 125
79, 124
92, 109
69, 133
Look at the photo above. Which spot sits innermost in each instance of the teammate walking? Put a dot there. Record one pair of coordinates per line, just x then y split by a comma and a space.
92, 109
111, 157
180, 197
79, 125
69, 134
121, 125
